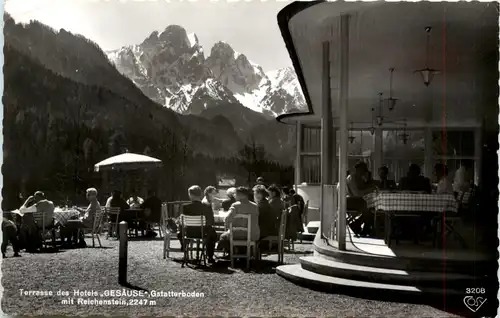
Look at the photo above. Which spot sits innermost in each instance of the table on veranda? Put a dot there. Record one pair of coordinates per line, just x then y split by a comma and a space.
408, 204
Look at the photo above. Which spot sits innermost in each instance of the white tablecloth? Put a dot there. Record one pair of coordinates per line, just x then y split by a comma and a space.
411, 202
61, 215
220, 217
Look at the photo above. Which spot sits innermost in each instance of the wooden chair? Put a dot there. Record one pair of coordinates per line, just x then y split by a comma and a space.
464, 199
95, 229
248, 243
46, 231
280, 239
194, 222
169, 210
112, 226
167, 234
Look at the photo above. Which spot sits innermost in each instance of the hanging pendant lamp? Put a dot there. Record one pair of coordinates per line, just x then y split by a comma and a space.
391, 101
380, 118
427, 73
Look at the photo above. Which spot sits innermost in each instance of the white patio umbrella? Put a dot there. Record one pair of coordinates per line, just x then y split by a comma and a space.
128, 161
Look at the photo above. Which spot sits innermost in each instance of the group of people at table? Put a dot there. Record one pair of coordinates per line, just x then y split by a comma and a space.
24, 232
359, 183
265, 207
263, 204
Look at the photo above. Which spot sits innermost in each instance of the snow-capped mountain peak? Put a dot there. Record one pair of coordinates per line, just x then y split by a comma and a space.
170, 68
233, 69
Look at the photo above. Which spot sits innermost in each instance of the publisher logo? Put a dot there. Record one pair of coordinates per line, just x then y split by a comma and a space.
474, 302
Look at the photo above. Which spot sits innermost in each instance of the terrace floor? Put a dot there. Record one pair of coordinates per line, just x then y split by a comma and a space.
227, 292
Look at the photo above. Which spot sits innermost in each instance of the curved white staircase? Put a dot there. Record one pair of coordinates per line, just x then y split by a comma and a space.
333, 270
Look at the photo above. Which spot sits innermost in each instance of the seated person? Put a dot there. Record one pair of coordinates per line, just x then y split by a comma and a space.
134, 202
261, 181
42, 205
88, 215
359, 184
108, 201
210, 198
153, 204
269, 221
275, 199
444, 185
384, 183
226, 204
196, 208
32, 230
10, 235
117, 202
462, 180
414, 181
93, 208
243, 206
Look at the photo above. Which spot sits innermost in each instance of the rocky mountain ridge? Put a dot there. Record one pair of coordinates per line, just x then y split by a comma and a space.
170, 67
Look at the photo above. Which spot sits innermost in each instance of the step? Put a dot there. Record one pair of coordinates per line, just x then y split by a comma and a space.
401, 263
309, 237
296, 274
313, 227
337, 269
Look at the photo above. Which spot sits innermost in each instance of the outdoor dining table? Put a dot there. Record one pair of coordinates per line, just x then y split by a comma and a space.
220, 216
61, 215
409, 204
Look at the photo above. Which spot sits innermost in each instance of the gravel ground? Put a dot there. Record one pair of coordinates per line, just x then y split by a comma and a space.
227, 292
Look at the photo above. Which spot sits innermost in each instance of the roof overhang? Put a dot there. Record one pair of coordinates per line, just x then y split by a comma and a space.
463, 45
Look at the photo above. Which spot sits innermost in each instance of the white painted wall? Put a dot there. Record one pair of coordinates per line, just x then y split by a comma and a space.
311, 193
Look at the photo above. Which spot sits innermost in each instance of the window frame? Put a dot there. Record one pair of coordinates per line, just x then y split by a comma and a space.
391, 158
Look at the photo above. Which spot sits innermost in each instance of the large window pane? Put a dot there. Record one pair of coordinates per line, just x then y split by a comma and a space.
398, 168
310, 169
311, 139
353, 160
458, 143
360, 144
393, 145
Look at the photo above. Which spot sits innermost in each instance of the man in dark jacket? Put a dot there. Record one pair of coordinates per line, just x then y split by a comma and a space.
196, 208
153, 204
414, 181
384, 183
269, 218
298, 200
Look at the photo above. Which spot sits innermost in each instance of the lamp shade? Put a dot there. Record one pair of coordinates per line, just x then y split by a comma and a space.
391, 103
427, 75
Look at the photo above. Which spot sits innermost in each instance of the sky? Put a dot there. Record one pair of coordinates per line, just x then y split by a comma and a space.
249, 27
